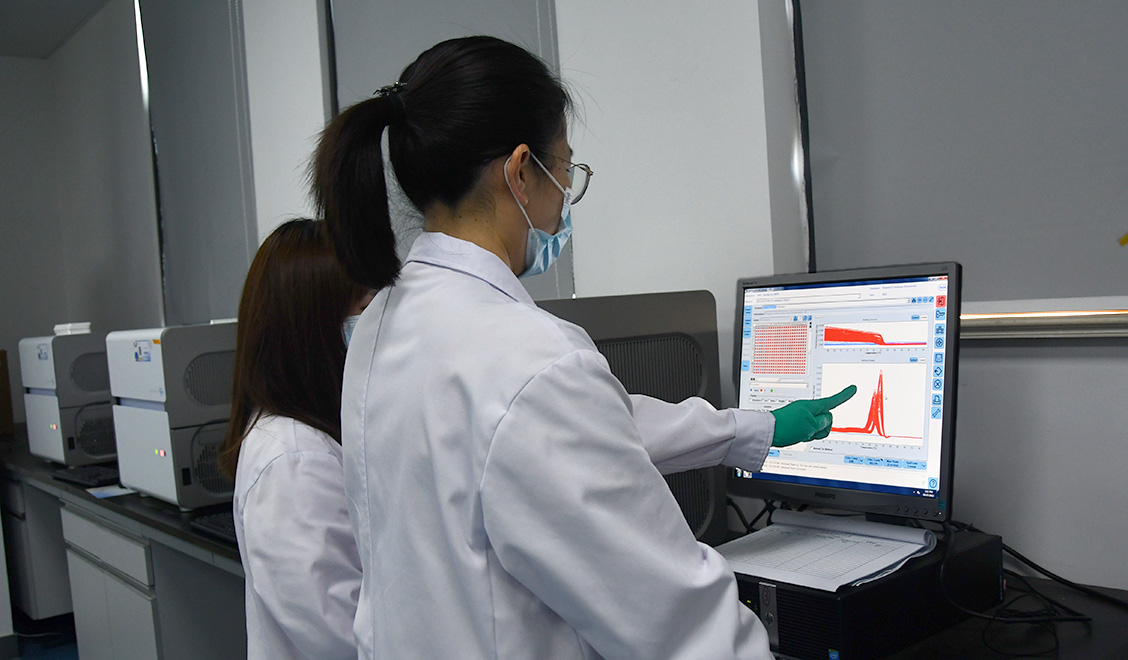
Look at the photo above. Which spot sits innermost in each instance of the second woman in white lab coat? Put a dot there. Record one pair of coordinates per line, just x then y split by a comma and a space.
505, 491
299, 556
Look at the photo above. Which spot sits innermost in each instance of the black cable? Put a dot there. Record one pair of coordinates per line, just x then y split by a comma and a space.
740, 514
1030, 588
1049, 627
1045, 618
1005, 614
769, 507
1088, 591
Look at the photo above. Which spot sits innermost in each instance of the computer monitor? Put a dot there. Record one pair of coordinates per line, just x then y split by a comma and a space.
891, 331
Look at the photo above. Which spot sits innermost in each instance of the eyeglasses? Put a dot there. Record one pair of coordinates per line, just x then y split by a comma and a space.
579, 176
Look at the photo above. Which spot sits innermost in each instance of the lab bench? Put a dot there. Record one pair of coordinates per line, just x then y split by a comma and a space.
142, 582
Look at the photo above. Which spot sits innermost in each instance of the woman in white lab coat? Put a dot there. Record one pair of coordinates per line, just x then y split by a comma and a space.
505, 491
283, 448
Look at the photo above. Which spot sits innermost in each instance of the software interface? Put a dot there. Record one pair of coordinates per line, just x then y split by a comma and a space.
887, 337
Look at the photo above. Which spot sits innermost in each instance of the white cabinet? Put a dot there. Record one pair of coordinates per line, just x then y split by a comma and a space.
37, 565
91, 616
111, 577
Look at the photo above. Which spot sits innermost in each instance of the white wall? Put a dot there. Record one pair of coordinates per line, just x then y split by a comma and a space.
672, 121
201, 127
106, 206
78, 232
786, 185
375, 41
993, 133
989, 133
33, 296
286, 98
1040, 451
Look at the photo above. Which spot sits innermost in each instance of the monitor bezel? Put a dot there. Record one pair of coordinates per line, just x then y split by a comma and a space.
873, 503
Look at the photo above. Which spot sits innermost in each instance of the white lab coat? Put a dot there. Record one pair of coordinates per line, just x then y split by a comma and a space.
503, 488
299, 556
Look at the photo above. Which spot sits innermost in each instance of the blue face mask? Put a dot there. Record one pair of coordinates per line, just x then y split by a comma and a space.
349, 324
541, 247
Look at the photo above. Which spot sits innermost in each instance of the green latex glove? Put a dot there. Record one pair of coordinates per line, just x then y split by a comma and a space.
809, 419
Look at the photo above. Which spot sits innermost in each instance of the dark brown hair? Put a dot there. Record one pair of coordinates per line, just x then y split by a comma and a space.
290, 346
457, 107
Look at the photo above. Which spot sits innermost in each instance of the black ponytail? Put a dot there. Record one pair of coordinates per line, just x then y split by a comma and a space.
457, 107
351, 194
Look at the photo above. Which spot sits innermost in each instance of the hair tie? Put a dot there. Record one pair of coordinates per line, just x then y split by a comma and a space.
392, 93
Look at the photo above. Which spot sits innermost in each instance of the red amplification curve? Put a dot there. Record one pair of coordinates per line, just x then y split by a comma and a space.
876, 422
832, 333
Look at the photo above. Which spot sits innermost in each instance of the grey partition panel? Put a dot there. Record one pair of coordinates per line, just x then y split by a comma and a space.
201, 134
989, 133
663, 345
373, 42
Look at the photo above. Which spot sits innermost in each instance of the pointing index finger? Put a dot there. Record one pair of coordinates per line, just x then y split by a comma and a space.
828, 403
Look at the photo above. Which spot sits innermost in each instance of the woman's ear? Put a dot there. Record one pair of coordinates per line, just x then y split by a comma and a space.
515, 172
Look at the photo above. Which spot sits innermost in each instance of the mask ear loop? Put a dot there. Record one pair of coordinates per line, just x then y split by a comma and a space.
567, 192
565, 208
509, 185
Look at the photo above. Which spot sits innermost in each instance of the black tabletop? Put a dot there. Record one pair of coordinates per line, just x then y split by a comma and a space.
1105, 637
149, 511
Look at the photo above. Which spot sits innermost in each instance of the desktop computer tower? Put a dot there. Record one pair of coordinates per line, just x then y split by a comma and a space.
172, 400
67, 398
880, 617
663, 345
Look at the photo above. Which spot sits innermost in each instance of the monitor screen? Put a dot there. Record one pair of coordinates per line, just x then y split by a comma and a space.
891, 331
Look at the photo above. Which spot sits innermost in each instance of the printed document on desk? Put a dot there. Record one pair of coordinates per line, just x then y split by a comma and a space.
825, 552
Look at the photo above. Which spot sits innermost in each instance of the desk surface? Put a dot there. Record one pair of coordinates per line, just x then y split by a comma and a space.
1106, 637
148, 511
